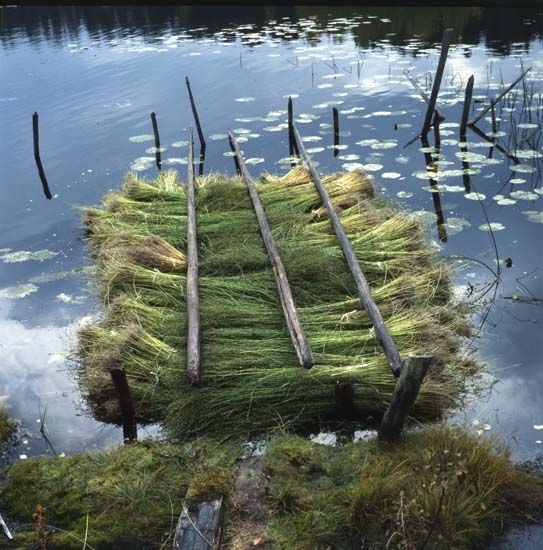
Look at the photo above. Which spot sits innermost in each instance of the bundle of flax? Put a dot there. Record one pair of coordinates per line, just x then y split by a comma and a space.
251, 378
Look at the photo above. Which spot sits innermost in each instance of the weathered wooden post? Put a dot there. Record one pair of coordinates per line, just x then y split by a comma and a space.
157, 141
193, 299
41, 172
130, 433
335, 116
405, 393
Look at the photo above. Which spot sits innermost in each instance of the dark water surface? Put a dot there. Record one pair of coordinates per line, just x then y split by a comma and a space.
95, 74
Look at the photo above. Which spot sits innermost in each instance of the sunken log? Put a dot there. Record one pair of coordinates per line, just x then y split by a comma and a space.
405, 393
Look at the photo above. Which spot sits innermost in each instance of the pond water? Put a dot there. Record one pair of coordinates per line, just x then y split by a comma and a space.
95, 75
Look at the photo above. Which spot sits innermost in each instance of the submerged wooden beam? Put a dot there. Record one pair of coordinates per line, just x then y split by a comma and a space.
194, 370
199, 525
297, 334
37, 158
364, 293
405, 393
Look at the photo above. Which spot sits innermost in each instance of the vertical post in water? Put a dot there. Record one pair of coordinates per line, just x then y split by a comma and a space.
126, 404
292, 146
36, 136
193, 299
157, 141
336, 131
465, 111
447, 39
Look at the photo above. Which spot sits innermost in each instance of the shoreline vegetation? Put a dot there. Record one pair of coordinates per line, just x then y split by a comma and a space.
438, 487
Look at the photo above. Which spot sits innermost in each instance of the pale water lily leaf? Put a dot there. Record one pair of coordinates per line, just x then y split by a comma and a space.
475, 196
18, 291
535, 216
493, 226
404, 194
141, 138
524, 195
25, 255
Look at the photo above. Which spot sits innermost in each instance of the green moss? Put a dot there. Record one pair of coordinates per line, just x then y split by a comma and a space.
127, 497
440, 485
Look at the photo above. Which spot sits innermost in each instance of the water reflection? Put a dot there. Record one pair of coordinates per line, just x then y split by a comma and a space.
504, 29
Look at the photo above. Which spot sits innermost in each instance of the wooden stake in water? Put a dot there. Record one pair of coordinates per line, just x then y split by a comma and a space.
335, 116
157, 141
126, 404
292, 147
196, 119
364, 292
447, 39
193, 299
465, 111
36, 135
297, 334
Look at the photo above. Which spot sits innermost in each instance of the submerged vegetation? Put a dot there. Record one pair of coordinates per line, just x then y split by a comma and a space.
251, 381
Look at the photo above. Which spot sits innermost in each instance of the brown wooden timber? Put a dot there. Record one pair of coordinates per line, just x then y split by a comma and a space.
465, 111
405, 393
364, 293
193, 299
297, 334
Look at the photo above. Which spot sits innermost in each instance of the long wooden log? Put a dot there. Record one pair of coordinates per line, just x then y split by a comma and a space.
194, 370
297, 334
157, 141
196, 117
405, 393
447, 39
364, 292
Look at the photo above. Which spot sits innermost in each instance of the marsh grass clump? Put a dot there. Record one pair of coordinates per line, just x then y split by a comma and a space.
251, 379
7, 424
440, 488
126, 497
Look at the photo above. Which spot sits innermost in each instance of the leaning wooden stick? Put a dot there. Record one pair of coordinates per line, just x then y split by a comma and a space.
509, 88
196, 117
194, 369
297, 334
41, 172
447, 39
364, 292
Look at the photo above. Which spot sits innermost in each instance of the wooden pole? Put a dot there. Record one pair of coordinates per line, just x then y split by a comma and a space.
36, 136
447, 39
196, 117
335, 116
292, 147
130, 433
405, 393
157, 141
509, 88
465, 111
193, 299
364, 292
297, 334
505, 152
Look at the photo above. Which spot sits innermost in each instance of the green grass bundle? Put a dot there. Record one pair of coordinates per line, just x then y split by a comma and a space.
251, 380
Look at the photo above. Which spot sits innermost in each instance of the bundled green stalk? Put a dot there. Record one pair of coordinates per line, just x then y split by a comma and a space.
251, 381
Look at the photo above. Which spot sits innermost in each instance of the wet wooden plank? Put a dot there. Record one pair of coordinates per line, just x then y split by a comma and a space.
199, 526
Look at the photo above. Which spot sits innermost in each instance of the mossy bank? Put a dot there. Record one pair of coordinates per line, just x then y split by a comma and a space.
440, 488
